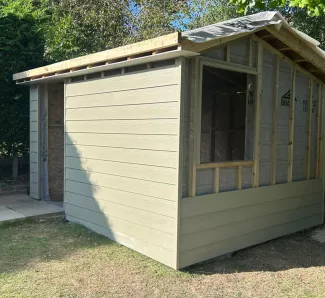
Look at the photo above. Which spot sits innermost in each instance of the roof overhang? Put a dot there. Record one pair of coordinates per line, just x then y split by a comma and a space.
100, 68
145, 48
270, 27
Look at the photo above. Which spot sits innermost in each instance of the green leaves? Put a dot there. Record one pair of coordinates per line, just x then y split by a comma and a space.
313, 7
21, 47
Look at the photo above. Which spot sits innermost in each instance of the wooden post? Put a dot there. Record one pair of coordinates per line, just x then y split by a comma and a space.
191, 157
216, 179
250, 53
318, 134
239, 177
309, 122
321, 150
257, 115
291, 122
213, 130
228, 52
275, 119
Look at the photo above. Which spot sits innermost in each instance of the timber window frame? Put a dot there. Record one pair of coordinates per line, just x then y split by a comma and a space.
195, 125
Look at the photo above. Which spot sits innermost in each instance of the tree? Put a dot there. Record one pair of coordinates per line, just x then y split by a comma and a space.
314, 26
313, 7
21, 47
205, 12
80, 27
152, 18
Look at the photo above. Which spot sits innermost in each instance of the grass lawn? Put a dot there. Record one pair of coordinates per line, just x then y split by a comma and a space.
49, 258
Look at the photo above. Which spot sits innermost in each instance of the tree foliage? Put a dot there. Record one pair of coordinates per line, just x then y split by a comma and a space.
205, 12
313, 7
21, 47
79, 27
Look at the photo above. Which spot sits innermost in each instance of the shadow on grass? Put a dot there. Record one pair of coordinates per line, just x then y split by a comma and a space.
26, 243
298, 250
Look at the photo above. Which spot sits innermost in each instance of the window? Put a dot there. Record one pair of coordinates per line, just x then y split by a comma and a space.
224, 115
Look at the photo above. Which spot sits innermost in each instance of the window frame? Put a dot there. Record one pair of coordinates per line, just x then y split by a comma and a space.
201, 62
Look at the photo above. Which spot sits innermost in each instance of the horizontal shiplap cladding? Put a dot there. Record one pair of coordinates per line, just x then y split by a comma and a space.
214, 203
124, 97
232, 216
152, 142
123, 226
33, 177
33, 106
151, 126
236, 229
33, 157
33, 167
33, 136
123, 197
213, 225
137, 186
152, 78
143, 111
142, 172
232, 244
121, 158
136, 156
135, 215
33, 147
165, 256
33, 188
34, 125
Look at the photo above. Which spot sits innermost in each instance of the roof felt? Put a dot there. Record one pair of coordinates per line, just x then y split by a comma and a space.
246, 24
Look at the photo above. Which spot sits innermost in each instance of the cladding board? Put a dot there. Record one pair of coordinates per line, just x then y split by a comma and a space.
34, 141
121, 158
216, 224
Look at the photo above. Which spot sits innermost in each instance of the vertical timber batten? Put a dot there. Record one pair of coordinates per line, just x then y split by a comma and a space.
318, 133
322, 144
309, 122
192, 131
182, 98
257, 115
275, 119
216, 180
250, 52
291, 122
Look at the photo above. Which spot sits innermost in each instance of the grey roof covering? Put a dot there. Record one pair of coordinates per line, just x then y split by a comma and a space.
242, 25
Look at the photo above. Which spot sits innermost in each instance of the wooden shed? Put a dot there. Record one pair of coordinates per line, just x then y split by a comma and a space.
187, 146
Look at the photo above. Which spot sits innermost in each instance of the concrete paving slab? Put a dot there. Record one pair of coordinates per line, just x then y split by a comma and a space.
8, 214
37, 208
20, 206
4, 200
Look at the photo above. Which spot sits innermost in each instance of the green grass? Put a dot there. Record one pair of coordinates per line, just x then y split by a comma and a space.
50, 258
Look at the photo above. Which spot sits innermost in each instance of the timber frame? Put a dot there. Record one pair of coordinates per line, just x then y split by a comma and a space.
263, 42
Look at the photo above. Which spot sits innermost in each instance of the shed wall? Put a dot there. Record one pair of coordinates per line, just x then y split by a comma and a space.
122, 158
228, 176
212, 225
34, 141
